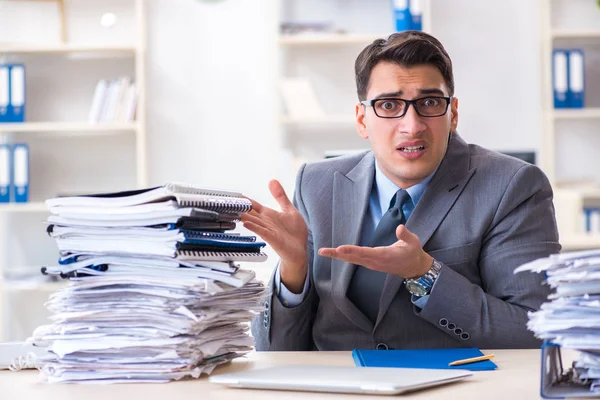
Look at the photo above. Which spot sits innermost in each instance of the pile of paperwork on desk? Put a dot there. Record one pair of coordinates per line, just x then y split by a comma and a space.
156, 293
571, 316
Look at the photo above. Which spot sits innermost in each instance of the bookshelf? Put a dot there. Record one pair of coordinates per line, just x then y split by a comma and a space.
67, 154
38, 206
76, 128
347, 120
569, 136
105, 50
575, 33
326, 39
582, 113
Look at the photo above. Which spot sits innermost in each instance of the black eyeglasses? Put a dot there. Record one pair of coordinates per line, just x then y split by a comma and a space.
397, 108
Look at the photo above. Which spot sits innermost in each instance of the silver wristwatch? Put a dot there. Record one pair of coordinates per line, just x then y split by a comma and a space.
422, 286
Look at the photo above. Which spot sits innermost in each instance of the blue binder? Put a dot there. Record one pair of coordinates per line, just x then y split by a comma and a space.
4, 92
402, 15
416, 12
426, 358
16, 107
560, 78
5, 173
20, 158
576, 78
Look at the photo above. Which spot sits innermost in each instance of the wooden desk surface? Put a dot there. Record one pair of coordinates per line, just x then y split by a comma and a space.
517, 377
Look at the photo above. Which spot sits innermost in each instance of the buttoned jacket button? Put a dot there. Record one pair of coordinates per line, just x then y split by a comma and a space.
382, 346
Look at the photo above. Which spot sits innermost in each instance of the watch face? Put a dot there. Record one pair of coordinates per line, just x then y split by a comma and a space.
415, 288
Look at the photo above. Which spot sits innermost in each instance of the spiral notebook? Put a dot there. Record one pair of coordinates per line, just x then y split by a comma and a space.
185, 195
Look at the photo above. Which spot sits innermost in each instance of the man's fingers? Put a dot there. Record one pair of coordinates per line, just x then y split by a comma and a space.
255, 219
260, 230
279, 195
353, 254
256, 206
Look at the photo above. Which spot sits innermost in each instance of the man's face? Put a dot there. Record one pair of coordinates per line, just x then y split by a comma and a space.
409, 148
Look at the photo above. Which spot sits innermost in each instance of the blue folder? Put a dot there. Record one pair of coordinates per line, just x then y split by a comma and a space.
427, 358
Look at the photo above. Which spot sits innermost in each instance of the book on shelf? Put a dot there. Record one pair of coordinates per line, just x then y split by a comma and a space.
114, 101
408, 14
300, 99
12, 93
14, 173
568, 78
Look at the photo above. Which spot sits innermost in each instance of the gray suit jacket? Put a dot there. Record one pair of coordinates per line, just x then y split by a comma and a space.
482, 215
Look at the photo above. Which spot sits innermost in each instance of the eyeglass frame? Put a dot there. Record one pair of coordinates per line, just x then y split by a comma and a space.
371, 103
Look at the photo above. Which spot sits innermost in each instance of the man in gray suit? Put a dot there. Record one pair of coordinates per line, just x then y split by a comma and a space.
412, 244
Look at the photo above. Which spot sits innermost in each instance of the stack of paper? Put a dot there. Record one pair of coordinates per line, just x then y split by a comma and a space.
571, 317
149, 301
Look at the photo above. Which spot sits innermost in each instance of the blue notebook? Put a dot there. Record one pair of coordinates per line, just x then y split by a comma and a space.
427, 358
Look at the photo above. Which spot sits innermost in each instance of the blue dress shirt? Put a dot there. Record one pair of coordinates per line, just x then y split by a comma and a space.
379, 201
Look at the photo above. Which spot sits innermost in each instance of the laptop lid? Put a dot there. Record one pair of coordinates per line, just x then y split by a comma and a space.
371, 380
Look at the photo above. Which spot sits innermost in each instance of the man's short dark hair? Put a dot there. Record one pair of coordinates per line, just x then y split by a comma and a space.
408, 48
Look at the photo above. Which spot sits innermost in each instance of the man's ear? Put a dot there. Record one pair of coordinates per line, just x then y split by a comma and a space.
453, 114
361, 123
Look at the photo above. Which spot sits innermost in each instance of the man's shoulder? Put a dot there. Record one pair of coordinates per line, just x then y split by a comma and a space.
494, 161
502, 168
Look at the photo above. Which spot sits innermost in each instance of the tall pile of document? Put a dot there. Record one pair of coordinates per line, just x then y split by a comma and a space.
571, 316
156, 293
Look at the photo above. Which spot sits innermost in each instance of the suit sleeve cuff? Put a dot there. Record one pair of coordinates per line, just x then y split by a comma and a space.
287, 298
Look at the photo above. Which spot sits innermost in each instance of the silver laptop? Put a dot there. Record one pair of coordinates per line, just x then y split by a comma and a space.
369, 380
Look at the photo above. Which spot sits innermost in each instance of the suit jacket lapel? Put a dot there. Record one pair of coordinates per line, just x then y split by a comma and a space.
350, 204
446, 185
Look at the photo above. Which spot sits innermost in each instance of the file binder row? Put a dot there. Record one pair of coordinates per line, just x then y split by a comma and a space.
568, 78
408, 15
12, 93
14, 173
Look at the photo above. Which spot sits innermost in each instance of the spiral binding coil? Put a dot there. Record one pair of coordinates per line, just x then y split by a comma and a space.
223, 255
179, 187
28, 361
222, 205
218, 236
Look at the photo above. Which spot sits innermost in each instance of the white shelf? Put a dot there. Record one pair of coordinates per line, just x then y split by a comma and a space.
580, 241
576, 113
69, 127
576, 34
67, 48
12, 285
328, 120
24, 207
326, 39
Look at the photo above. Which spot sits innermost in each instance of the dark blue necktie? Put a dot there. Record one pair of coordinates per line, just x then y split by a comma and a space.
366, 285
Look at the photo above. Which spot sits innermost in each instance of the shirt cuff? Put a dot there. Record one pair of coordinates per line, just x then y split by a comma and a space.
421, 301
287, 298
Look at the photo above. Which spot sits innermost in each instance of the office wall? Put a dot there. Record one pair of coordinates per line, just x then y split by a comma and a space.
212, 95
